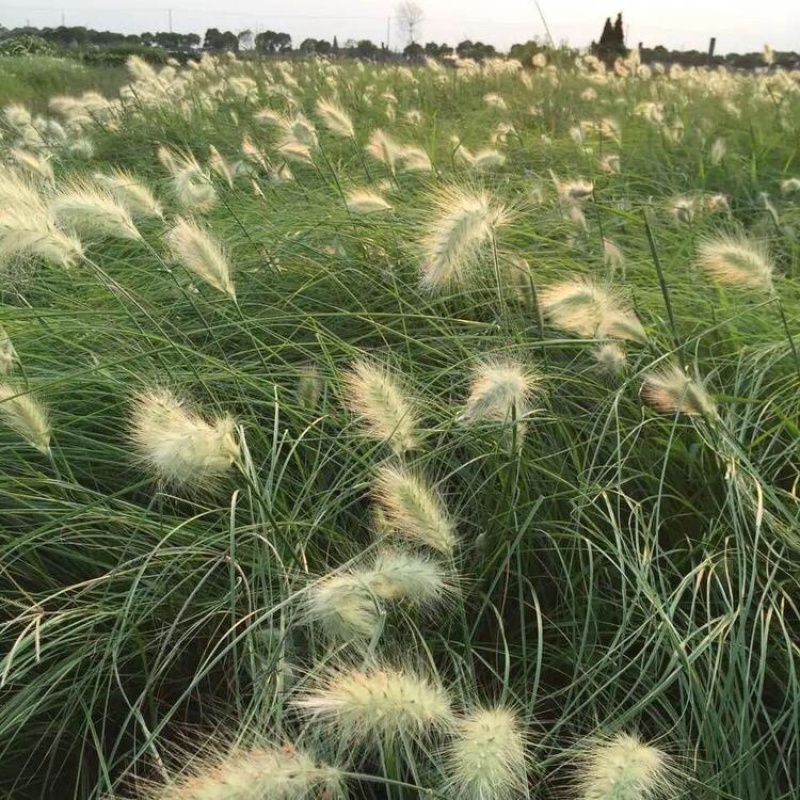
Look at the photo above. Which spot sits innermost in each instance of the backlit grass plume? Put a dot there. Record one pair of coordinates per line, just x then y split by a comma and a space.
500, 391
26, 228
383, 148
671, 391
401, 575
737, 261
176, 444
344, 606
265, 771
414, 510
196, 250
383, 404
581, 306
131, 192
624, 768
486, 759
363, 201
25, 416
8, 355
463, 221
378, 703
335, 118
87, 209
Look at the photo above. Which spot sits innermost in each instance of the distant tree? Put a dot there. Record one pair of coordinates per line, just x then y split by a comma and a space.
366, 49
612, 42
271, 42
213, 39
438, 50
475, 50
308, 47
323, 48
619, 32
217, 40
410, 17
335, 47
414, 51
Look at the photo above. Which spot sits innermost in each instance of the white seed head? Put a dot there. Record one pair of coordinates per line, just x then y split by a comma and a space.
178, 445
335, 118
487, 758
611, 359
363, 201
89, 209
195, 249
414, 510
131, 192
265, 771
25, 416
671, 391
344, 607
624, 768
583, 307
411, 577
500, 391
380, 704
463, 222
487, 159
737, 261
8, 355
383, 404
383, 148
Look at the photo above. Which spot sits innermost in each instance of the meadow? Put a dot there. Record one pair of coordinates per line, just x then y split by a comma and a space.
401, 431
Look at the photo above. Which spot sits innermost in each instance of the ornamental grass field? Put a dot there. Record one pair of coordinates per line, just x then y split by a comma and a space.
395, 432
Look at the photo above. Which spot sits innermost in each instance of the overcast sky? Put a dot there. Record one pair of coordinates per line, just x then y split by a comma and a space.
739, 25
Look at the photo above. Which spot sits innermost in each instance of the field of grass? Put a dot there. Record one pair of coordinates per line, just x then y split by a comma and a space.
401, 432
33, 80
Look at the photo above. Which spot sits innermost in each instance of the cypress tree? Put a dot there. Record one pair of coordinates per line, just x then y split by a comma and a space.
618, 34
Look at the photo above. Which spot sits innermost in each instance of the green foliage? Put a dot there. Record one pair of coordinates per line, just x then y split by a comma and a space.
618, 571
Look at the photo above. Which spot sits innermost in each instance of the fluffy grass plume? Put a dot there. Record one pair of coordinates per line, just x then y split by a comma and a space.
176, 444
487, 159
624, 768
413, 509
463, 220
26, 228
25, 416
378, 703
198, 252
414, 578
88, 209
414, 159
363, 201
737, 261
500, 391
672, 391
384, 406
36, 166
581, 306
383, 148
486, 759
219, 165
335, 118
8, 355
344, 607
266, 771
131, 192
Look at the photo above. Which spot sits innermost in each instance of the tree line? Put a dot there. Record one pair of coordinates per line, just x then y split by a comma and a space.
87, 41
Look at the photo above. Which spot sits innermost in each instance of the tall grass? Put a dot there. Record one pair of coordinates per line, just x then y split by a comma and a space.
588, 478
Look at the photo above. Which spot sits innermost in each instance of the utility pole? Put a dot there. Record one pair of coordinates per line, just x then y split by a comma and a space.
63, 19
169, 11
388, 31
711, 45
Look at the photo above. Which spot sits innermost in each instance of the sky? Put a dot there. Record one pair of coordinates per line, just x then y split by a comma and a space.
739, 25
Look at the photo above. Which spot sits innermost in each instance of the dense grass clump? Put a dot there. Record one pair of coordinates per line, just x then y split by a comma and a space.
386, 431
